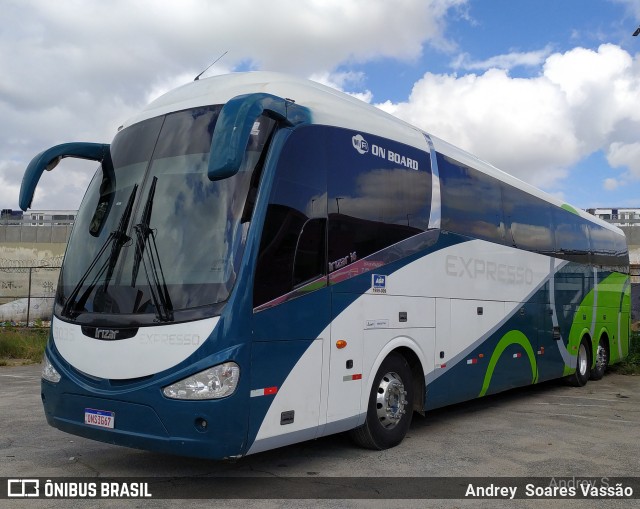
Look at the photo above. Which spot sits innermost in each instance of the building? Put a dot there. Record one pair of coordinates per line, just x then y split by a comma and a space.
37, 217
36, 226
48, 217
621, 216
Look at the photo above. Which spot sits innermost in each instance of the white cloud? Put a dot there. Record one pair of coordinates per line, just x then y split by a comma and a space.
610, 184
9, 186
520, 125
75, 70
632, 7
625, 155
506, 61
341, 80
537, 128
601, 90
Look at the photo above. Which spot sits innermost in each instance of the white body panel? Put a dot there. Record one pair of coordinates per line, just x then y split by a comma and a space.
434, 292
299, 393
131, 358
475, 269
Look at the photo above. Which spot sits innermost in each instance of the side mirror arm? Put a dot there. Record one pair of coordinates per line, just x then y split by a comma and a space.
49, 159
234, 125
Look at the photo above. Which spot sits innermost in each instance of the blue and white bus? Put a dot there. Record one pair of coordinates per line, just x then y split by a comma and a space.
261, 260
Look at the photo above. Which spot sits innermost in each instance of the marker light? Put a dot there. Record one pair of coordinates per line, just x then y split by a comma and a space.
213, 383
49, 373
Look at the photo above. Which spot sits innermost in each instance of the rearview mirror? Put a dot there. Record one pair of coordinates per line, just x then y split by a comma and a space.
49, 159
234, 125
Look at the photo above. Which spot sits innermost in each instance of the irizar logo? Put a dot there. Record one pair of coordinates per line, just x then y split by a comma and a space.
106, 334
360, 144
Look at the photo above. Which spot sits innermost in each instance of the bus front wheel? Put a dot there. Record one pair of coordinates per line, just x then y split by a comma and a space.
390, 406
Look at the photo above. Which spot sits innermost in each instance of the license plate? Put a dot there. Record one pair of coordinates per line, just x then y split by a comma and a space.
99, 418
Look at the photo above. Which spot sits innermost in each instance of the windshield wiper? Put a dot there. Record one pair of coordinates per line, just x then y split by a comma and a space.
117, 239
151, 261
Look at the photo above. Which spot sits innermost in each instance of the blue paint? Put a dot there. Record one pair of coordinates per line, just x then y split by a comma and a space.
48, 159
234, 125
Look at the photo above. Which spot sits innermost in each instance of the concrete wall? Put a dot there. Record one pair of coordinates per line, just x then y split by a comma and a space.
28, 278
31, 254
48, 233
633, 240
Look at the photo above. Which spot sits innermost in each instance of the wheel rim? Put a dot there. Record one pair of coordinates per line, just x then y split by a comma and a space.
601, 357
582, 359
390, 400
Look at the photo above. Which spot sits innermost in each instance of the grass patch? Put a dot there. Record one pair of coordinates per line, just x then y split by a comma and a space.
631, 365
22, 343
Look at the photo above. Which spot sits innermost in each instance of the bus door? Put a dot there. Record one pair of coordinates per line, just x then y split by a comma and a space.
290, 298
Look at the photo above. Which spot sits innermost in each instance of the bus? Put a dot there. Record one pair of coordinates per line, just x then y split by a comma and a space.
260, 260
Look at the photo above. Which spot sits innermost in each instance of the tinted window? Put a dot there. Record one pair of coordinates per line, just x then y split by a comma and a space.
572, 236
529, 219
471, 201
609, 250
178, 230
293, 247
379, 194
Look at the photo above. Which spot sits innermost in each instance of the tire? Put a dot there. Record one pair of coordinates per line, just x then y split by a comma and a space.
386, 426
583, 365
602, 360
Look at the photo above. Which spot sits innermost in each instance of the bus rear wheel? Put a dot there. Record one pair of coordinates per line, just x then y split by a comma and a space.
390, 406
583, 365
602, 360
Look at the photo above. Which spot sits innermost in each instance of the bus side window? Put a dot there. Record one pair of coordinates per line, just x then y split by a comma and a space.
376, 197
471, 201
293, 247
530, 221
609, 250
309, 255
572, 236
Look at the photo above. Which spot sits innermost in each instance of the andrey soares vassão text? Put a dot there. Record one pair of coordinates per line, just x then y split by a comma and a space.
572, 488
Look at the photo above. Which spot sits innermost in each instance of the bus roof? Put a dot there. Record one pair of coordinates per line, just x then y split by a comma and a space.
327, 105
330, 107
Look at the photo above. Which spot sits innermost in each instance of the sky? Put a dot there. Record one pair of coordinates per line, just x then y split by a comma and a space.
547, 90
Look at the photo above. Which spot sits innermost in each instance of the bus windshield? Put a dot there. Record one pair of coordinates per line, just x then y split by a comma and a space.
154, 238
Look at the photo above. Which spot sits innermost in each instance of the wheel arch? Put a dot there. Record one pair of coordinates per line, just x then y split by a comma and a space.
580, 337
418, 380
602, 334
413, 354
586, 336
580, 375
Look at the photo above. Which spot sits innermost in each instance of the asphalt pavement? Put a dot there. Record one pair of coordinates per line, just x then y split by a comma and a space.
548, 430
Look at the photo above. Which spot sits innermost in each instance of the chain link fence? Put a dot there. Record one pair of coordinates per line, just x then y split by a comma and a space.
31, 252
27, 292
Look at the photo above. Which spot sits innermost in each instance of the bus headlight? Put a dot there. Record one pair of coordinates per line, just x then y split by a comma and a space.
213, 383
49, 373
